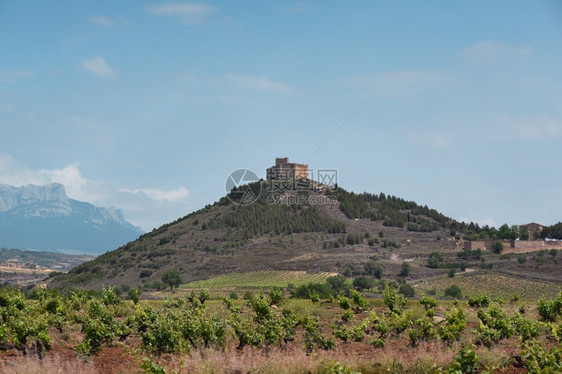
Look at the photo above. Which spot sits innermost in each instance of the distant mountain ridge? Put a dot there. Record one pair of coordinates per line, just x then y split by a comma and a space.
45, 218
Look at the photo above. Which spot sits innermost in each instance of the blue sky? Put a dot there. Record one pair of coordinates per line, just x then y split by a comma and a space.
470, 125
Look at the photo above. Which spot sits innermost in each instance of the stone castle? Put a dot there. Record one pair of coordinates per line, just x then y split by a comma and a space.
283, 169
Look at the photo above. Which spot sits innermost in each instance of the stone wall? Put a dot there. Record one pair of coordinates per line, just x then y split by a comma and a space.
485, 245
522, 246
513, 246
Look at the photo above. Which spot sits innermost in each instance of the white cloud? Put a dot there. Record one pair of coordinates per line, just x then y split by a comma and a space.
530, 127
493, 54
147, 208
76, 186
176, 196
258, 83
98, 66
184, 12
106, 21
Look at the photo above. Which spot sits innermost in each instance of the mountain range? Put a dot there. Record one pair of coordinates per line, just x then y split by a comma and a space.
45, 218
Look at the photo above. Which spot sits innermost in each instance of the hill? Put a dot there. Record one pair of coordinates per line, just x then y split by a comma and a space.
44, 218
333, 231
30, 267
227, 237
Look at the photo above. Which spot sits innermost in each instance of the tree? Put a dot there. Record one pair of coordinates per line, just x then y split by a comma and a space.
405, 271
134, 294
336, 283
435, 260
452, 272
507, 232
498, 246
552, 232
370, 267
453, 291
407, 290
378, 271
524, 235
172, 278
363, 283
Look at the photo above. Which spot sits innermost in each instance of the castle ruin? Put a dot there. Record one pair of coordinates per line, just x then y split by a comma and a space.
283, 169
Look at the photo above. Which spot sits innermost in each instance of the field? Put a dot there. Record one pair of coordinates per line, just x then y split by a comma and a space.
495, 285
84, 332
260, 279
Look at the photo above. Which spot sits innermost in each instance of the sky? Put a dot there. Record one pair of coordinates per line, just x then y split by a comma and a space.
148, 106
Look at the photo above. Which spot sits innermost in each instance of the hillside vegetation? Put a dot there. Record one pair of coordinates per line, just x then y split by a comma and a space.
358, 235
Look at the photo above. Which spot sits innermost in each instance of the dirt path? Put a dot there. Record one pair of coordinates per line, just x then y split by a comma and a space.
394, 257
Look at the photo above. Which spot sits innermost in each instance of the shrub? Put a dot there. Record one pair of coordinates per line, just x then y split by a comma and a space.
134, 294
276, 295
455, 323
407, 290
435, 260
378, 343
305, 290
393, 300
466, 361
454, 291
540, 360
405, 270
363, 283
344, 302
428, 302
145, 273
498, 246
479, 301
360, 302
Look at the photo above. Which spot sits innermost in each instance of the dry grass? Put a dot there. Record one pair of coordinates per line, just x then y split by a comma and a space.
294, 360
53, 363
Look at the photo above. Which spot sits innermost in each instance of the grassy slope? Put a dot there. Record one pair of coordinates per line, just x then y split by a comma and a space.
264, 279
494, 285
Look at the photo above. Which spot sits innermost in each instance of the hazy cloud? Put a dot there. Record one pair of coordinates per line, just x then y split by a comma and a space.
432, 140
299, 7
185, 12
481, 221
493, 54
98, 66
530, 127
11, 76
176, 196
404, 84
258, 83
106, 21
